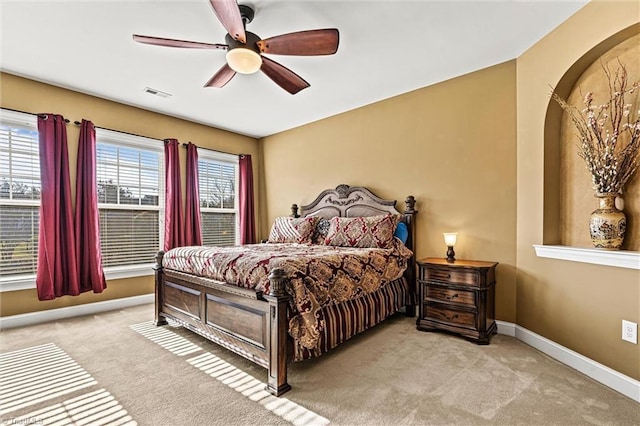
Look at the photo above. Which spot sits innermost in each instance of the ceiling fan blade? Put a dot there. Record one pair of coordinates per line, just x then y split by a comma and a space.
222, 77
283, 76
228, 14
169, 42
302, 43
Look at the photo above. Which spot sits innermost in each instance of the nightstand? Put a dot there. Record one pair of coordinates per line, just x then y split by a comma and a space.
458, 297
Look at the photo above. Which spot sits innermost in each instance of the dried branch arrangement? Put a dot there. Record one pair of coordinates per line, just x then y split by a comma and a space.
609, 132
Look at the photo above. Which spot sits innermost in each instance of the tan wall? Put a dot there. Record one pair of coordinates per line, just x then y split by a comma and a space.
577, 305
451, 145
30, 96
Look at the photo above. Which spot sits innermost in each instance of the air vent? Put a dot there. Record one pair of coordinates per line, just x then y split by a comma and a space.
157, 92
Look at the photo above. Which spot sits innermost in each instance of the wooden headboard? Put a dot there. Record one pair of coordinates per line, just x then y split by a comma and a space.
348, 201
352, 201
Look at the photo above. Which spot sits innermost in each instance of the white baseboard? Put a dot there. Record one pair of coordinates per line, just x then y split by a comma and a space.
598, 372
506, 328
31, 318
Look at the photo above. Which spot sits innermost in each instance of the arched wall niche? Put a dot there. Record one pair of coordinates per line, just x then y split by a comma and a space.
568, 194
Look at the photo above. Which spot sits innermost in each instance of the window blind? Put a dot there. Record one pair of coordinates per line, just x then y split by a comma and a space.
128, 237
217, 185
18, 239
130, 187
218, 229
19, 195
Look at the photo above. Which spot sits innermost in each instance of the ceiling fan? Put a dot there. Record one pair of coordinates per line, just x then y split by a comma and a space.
245, 49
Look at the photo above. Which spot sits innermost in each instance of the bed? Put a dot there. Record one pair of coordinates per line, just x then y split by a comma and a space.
292, 299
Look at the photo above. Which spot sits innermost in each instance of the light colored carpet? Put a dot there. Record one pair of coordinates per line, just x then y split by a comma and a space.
117, 368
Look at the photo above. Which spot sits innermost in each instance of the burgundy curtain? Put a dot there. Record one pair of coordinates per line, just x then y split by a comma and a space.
89, 257
192, 233
57, 271
247, 215
173, 235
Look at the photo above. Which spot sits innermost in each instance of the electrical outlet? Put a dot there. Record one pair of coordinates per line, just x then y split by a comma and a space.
630, 331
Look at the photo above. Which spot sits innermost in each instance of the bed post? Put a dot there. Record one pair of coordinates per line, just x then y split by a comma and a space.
159, 320
409, 217
294, 210
278, 300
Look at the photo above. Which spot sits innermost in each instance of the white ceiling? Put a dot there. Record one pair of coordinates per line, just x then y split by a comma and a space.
386, 48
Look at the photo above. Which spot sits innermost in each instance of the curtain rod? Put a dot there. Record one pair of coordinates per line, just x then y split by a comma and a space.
41, 115
215, 150
77, 123
142, 136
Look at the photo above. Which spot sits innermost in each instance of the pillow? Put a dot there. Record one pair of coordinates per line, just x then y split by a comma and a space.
402, 232
371, 231
292, 229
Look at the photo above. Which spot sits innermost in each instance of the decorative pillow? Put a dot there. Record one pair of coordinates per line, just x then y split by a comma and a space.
402, 232
292, 229
320, 233
371, 231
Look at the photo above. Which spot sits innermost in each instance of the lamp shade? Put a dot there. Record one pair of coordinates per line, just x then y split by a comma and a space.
244, 61
450, 238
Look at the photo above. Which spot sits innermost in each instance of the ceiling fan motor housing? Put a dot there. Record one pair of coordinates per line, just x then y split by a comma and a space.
251, 38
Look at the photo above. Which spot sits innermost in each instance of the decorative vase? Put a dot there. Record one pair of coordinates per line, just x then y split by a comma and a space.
607, 224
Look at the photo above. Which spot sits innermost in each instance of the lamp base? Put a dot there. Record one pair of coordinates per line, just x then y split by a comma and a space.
451, 255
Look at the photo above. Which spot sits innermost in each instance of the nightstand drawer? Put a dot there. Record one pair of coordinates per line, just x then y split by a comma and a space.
450, 295
451, 316
464, 277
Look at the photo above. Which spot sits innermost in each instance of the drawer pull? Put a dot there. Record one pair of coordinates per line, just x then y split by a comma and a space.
452, 318
452, 297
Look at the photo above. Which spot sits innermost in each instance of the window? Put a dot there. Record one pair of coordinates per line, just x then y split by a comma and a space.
130, 175
218, 186
19, 195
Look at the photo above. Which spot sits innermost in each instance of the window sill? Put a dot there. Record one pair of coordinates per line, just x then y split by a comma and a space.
119, 272
27, 282
615, 258
24, 282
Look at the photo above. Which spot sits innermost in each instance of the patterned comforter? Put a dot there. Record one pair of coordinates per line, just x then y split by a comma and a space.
319, 275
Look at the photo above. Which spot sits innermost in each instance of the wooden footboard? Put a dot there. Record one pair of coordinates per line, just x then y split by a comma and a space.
244, 321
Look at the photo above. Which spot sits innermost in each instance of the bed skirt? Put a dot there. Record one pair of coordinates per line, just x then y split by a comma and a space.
342, 321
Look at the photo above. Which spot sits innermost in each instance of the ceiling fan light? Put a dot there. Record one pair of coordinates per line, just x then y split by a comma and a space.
244, 61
